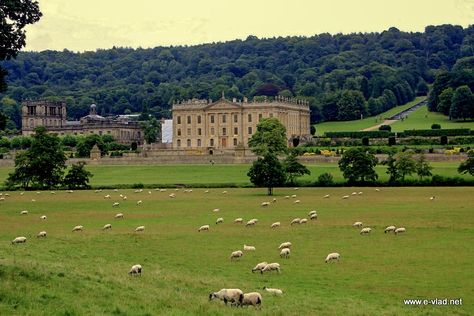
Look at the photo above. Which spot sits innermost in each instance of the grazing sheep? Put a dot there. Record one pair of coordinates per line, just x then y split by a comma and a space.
116, 204
377, 190
162, 190
119, 215
274, 200
115, 190
295, 221
297, 201
136, 270
313, 217
224, 192
52, 192
326, 196
41, 234
296, 188
107, 226
273, 291
389, 229
2, 198
33, 200
360, 193
354, 193
207, 191
216, 210
234, 296
265, 204
239, 220
43, 217
249, 248
287, 196
140, 229
21, 193
365, 231
271, 267
432, 198
78, 228
259, 266
219, 220
19, 240
357, 224
285, 253
250, 223
285, 245
275, 225
24, 213
204, 227
345, 197
311, 213
332, 256
172, 195
252, 298
124, 198
293, 196
236, 254
107, 196
303, 221
400, 230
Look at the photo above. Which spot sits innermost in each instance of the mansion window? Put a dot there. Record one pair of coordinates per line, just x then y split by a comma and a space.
199, 131
271, 114
179, 131
250, 117
178, 143
224, 118
188, 143
189, 131
211, 142
189, 119
250, 130
236, 130
236, 118
199, 143
178, 119
212, 119
199, 119
235, 141
224, 131
260, 117
212, 130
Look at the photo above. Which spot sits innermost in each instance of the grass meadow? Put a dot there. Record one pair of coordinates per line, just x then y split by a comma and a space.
85, 273
214, 174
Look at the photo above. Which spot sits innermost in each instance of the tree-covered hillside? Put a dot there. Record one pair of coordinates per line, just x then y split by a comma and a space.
343, 76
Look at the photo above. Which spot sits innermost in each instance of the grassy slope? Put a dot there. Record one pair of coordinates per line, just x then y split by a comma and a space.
207, 174
86, 273
358, 125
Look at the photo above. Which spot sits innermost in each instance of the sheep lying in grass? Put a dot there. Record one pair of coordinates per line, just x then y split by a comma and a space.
139, 202
107, 226
326, 196
295, 221
249, 248
345, 197
116, 204
140, 229
136, 270
303, 221
357, 224
285, 253
259, 266
41, 234
285, 245
24, 213
19, 240
271, 267
118, 216
227, 295
332, 256
311, 213
78, 228
275, 225
264, 204
273, 291
365, 231
297, 201
239, 220
400, 230
203, 227
389, 229
216, 210
313, 217
293, 196
219, 220
252, 298
236, 254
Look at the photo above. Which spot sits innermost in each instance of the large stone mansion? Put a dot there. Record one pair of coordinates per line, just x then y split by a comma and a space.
52, 115
224, 124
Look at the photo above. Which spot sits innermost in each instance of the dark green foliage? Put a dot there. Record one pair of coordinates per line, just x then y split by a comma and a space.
365, 141
77, 177
423, 168
436, 132
134, 146
293, 168
357, 166
69, 141
270, 137
325, 180
370, 134
42, 165
422, 88
312, 130
405, 165
391, 169
392, 141
85, 144
151, 129
351, 106
443, 140
444, 104
3, 121
267, 171
462, 104
385, 128
435, 126
468, 165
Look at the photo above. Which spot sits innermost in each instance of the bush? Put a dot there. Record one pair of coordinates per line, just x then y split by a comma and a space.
436, 132
385, 128
365, 141
325, 180
137, 186
359, 134
443, 140
435, 126
392, 141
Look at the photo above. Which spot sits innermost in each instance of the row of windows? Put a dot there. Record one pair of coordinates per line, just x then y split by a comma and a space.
199, 142
223, 118
224, 131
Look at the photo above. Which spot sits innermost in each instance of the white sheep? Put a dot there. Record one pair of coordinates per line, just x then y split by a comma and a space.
234, 296
326, 196
239, 220
275, 225
140, 229
345, 197
259, 266
273, 291
24, 213
311, 213
274, 200
332, 256
249, 248
224, 192
264, 204
271, 267
432, 198
203, 227
236, 254
285, 253
400, 230
19, 240
365, 231
354, 193
357, 224
124, 198
116, 204
219, 220
360, 193
172, 195
78, 228
287, 196
250, 223
43, 217
295, 221
52, 192
303, 221
285, 245
136, 270
252, 298
297, 201
216, 210
389, 229
313, 216
107, 226
107, 196
41, 234
118, 215
207, 191
377, 190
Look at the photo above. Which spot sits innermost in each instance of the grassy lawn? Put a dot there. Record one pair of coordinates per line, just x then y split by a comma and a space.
358, 125
216, 174
85, 273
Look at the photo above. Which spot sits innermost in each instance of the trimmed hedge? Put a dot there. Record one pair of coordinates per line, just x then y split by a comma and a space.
359, 134
435, 132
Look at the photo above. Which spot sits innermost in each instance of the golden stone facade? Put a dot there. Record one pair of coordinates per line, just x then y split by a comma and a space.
202, 124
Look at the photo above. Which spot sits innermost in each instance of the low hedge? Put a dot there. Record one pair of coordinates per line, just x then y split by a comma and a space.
436, 132
359, 134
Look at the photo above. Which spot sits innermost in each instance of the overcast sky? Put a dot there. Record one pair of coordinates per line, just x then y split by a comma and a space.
80, 25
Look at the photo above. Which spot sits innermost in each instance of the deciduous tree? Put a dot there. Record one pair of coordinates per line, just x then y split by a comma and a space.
358, 165
267, 171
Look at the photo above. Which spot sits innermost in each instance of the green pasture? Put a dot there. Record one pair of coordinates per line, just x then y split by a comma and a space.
214, 174
85, 273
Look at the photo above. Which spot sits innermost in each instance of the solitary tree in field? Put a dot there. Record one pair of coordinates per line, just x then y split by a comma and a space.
468, 165
358, 165
77, 177
267, 171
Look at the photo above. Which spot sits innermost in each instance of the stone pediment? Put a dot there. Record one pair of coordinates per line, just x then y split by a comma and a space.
222, 104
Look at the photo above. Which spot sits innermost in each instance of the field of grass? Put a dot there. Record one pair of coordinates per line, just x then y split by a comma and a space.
422, 119
358, 125
214, 174
85, 273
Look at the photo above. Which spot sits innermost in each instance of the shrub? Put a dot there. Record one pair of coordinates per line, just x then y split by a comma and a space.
325, 180
443, 140
435, 126
134, 146
436, 132
365, 141
359, 134
137, 186
392, 141
385, 128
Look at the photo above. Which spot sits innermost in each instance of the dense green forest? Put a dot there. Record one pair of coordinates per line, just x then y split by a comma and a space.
342, 76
